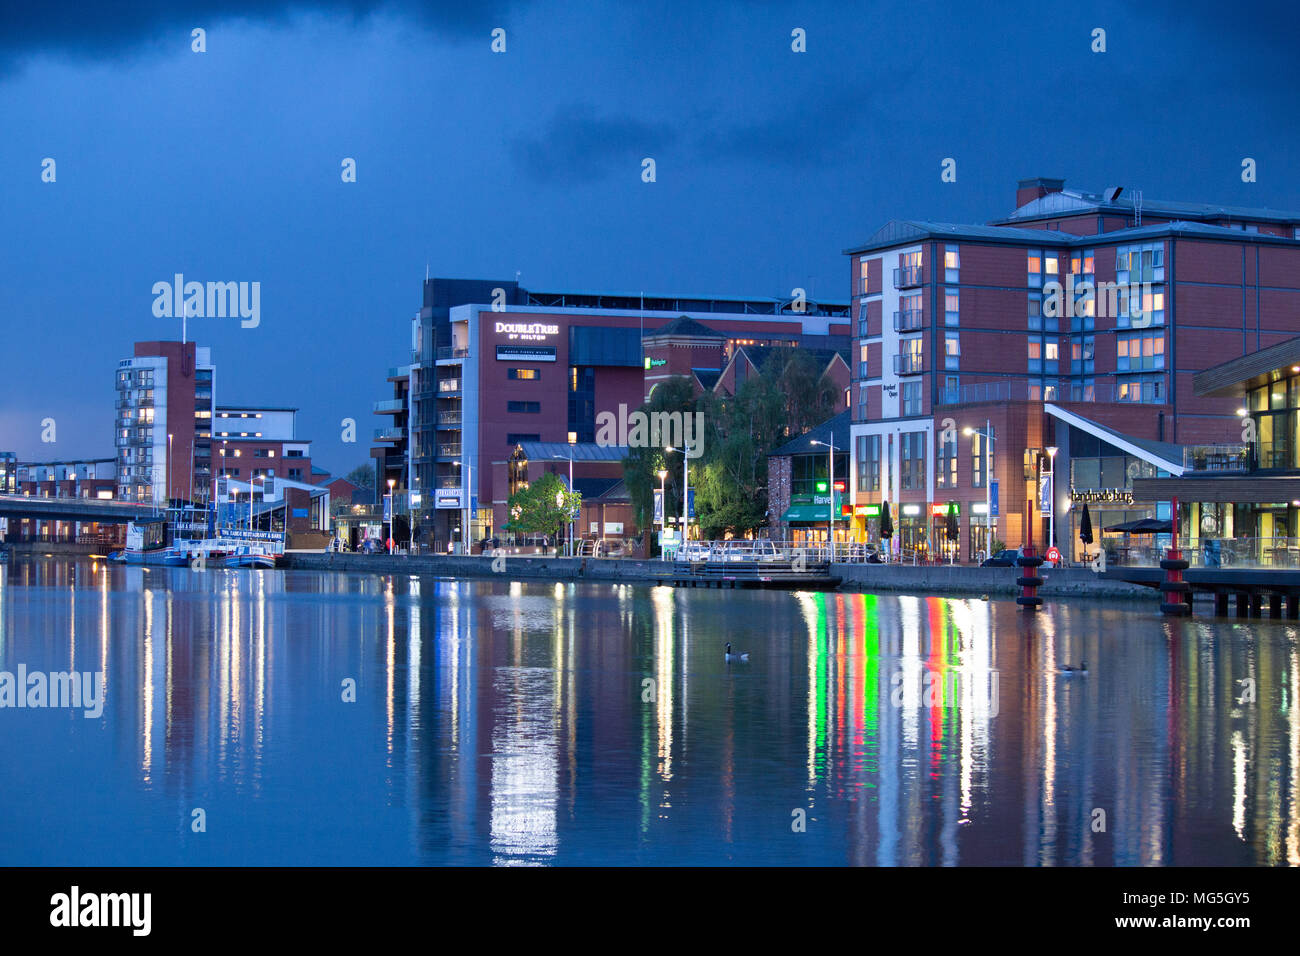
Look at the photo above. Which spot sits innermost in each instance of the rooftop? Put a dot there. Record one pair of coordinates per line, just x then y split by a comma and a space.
834, 431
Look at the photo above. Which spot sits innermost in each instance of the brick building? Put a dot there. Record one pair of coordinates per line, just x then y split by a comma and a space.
1080, 314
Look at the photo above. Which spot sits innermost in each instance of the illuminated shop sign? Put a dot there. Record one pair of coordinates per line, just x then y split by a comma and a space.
527, 331
1103, 495
911, 510
525, 353
654, 363
447, 500
941, 511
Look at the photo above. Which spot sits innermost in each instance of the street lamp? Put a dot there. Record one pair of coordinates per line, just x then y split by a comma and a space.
1051, 491
686, 493
830, 527
167, 480
988, 437
388, 538
663, 508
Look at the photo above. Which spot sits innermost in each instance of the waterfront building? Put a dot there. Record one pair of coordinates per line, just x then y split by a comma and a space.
73, 478
1102, 306
800, 487
1246, 491
495, 366
256, 441
164, 389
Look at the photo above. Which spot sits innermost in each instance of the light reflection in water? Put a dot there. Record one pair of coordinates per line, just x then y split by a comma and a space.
510, 724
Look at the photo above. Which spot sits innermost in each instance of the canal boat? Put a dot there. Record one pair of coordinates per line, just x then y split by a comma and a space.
251, 556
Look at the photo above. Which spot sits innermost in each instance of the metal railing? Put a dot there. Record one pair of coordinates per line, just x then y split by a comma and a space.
390, 434
1238, 553
452, 353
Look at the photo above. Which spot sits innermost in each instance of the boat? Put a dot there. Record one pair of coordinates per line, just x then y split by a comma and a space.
251, 556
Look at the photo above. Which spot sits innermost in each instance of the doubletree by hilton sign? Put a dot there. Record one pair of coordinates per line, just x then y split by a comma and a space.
526, 331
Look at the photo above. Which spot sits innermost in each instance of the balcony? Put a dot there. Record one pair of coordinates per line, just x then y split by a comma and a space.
393, 406
397, 373
449, 451
908, 320
449, 418
451, 354
390, 434
909, 363
449, 388
907, 277
1217, 459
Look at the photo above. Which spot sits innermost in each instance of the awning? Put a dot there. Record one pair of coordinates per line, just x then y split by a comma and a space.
810, 513
1143, 526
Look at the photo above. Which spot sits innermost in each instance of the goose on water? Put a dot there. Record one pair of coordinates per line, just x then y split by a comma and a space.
1069, 669
728, 656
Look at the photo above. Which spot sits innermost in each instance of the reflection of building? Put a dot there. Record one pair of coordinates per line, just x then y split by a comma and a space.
494, 366
1089, 302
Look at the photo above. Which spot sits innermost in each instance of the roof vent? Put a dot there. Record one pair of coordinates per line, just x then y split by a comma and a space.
1111, 193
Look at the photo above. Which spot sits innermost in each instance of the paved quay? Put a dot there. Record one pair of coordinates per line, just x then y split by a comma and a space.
926, 579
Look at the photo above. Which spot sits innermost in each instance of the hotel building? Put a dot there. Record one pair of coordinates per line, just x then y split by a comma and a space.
495, 366
958, 333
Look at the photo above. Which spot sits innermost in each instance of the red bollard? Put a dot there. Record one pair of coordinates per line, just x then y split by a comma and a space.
1029, 580
1175, 593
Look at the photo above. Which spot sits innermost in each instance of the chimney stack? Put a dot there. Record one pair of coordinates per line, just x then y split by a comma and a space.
1027, 190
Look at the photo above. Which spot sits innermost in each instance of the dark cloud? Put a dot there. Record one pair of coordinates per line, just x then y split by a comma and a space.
109, 30
579, 146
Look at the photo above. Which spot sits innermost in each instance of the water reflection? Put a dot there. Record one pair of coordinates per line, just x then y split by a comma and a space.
531, 723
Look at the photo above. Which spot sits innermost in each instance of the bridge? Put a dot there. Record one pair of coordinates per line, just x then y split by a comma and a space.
75, 509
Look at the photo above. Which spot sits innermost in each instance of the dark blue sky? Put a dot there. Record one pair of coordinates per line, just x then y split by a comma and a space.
225, 165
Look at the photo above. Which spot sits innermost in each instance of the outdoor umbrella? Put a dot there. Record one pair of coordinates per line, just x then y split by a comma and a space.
951, 531
1085, 530
886, 522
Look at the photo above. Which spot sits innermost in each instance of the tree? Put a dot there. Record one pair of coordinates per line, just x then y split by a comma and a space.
642, 464
534, 509
363, 476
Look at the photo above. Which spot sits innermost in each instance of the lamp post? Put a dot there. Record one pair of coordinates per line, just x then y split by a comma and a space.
559, 504
830, 527
663, 508
987, 435
167, 480
686, 493
1051, 496
388, 538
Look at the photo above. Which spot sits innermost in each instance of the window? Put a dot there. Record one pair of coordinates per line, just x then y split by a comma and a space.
911, 398
950, 307
912, 453
1051, 265
1051, 357
951, 350
524, 374
1035, 268
908, 360
1140, 263
295, 474
1082, 351
951, 392
1147, 389
868, 463
979, 456
1083, 262
862, 360
864, 276
945, 470
528, 408
1140, 306
862, 403
862, 321
1083, 391
1140, 350
951, 263
1036, 355
515, 438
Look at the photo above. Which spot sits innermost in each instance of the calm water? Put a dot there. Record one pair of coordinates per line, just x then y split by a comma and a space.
528, 723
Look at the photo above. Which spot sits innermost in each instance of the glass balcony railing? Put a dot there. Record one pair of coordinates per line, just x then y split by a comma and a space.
1217, 458
390, 434
452, 353
909, 363
392, 406
907, 276
908, 320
